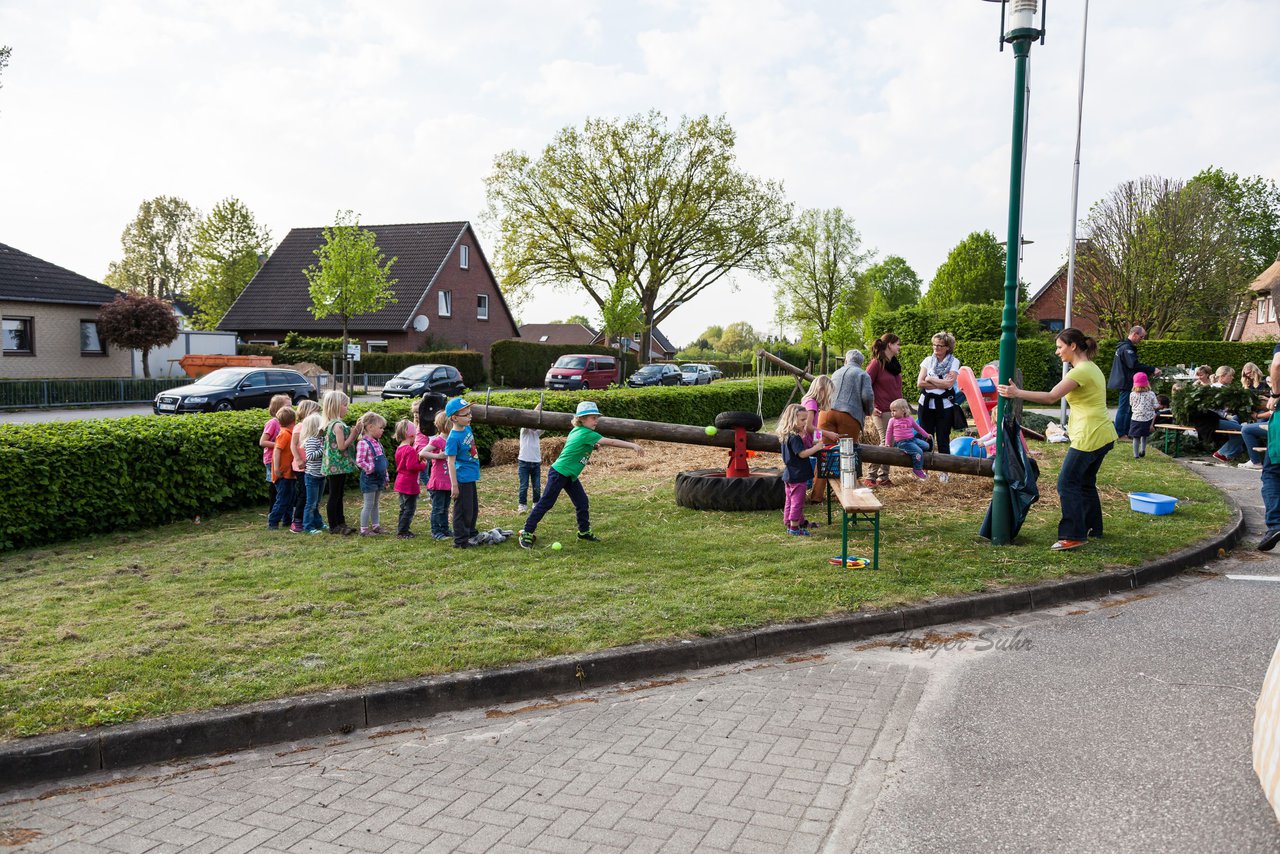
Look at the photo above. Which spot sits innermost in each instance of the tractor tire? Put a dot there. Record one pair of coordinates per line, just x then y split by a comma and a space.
729, 420
709, 489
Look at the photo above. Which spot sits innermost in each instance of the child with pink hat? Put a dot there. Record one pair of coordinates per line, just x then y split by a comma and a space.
1142, 403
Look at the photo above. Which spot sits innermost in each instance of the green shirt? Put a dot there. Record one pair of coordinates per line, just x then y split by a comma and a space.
577, 450
1089, 427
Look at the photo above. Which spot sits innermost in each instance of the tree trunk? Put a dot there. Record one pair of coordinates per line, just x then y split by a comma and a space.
785, 365
822, 352
146, 363
346, 361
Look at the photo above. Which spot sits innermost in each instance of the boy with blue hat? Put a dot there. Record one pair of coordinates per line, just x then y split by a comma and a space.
566, 472
464, 472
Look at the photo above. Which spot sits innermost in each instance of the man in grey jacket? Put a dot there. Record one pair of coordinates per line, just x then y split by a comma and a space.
852, 399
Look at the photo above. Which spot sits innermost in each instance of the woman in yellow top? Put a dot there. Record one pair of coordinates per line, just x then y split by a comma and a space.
1092, 436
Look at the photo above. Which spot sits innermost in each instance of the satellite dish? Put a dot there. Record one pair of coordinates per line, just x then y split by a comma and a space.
420, 323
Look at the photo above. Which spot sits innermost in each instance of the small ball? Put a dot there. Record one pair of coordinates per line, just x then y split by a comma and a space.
711, 431
556, 547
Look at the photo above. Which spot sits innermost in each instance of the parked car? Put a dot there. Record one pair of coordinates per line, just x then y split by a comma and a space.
234, 388
577, 371
655, 375
417, 380
716, 373
694, 374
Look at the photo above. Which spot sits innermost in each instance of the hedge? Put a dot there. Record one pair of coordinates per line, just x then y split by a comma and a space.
524, 364
914, 324
1163, 354
1040, 368
469, 362
68, 479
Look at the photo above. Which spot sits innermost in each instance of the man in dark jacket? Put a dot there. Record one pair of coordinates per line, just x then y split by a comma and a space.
1123, 367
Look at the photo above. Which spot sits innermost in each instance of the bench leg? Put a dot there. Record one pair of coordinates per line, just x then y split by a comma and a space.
844, 539
875, 553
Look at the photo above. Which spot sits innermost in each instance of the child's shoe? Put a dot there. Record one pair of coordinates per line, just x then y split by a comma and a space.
376, 529
316, 531
798, 532
407, 535
364, 532
527, 540
442, 536
523, 508
588, 537
295, 528
920, 473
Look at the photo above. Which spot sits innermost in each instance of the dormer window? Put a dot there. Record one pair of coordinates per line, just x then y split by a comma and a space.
464, 256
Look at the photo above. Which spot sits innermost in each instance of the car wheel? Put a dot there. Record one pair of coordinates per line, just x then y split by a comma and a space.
222, 406
710, 489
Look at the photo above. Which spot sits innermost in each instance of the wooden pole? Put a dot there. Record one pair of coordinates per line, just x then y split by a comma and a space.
785, 365
686, 434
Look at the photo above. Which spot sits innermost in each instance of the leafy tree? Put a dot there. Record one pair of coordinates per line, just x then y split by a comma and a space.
226, 247
137, 322
894, 280
738, 337
157, 249
972, 273
580, 318
818, 271
712, 335
350, 278
1255, 205
621, 314
1162, 254
665, 210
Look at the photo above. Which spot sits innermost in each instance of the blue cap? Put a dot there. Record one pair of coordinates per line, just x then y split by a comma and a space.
451, 408
586, 407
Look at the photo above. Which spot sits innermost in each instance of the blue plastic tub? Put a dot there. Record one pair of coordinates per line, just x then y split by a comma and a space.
1152, 502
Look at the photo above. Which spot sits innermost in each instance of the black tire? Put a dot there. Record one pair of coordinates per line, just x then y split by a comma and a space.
729, 420
709, 489
222, 406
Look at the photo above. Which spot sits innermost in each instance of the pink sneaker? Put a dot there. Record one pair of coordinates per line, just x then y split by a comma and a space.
920, 473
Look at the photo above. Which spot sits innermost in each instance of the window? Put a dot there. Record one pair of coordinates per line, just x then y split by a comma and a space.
1271, 309
445, 304
376, 347
544, 338
281, 378
440, 374
19, 336
482, 307
257, 379
90, 343
1262, 309
269, 342
464, 257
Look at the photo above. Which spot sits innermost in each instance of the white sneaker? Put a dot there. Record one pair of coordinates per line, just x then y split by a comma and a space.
943, 477
1250, 465
523, 508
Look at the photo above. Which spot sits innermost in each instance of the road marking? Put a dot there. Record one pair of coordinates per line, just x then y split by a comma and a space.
1254, 577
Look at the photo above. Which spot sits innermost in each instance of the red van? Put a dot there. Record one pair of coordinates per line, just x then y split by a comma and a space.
577, 371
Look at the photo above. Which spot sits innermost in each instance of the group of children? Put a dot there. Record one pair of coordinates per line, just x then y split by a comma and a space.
313, 446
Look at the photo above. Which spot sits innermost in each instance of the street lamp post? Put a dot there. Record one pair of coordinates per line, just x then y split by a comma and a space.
1020, 34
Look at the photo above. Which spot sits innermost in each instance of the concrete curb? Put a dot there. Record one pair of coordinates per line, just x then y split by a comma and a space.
59, 755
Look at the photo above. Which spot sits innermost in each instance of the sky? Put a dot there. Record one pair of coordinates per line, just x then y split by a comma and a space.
897, 111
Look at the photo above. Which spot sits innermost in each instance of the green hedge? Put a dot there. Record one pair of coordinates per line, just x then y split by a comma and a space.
915, 324
1040, 368
469, 362
67, 479
295, 341
524, 364
1163, 354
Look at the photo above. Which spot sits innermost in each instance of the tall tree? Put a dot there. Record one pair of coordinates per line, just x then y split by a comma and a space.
893, 279
350, 278
1255, 204
226, 248
579, 318
738, 337
138, 323
818, 271
712, 335
1162, 254
972, 273
157, 249
665, 210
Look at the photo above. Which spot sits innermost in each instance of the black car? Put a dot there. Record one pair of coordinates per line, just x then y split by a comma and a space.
655, 375
234, 388
417, 380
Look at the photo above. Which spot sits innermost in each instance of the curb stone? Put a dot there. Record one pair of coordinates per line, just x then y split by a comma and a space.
60, 755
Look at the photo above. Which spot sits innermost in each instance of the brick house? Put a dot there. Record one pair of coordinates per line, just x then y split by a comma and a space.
1257, 319
1049, 305
50, 322
445, 293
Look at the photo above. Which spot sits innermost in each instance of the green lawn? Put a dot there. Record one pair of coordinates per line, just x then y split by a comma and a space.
121, 627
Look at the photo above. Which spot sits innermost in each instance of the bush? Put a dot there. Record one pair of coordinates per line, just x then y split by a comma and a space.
1192, 353
524, 364
294, 341
67, 479
916, 324
1036, 359
469, 362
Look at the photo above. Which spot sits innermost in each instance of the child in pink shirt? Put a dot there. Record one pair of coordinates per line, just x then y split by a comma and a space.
905, 433
409, 465
437, 483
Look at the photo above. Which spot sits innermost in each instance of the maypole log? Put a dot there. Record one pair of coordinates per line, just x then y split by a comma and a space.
656, 431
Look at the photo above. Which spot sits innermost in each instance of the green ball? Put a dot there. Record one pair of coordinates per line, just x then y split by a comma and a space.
556, 547
711, 431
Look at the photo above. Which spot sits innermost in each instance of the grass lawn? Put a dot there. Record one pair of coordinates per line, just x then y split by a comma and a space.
125, 626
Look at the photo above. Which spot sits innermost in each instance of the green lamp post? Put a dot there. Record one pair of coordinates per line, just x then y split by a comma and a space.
1020, 33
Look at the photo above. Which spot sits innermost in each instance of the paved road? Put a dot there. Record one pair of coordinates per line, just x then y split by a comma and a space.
1120, 725
45, 416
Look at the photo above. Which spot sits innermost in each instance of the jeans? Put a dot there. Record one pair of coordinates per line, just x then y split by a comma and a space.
299, 497
408, 506
465, 510
1271, 492
530, 473
1123, 413
557, 483
282, 510
793, 508
337, 485
369, 509
915, 448
440, 513
1233, 446
1078, 493
1254, 435
271, 487
311, 520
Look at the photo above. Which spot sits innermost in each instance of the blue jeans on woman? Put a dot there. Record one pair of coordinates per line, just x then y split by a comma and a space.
311, 520
1254, 435
1233, 446
1078, 494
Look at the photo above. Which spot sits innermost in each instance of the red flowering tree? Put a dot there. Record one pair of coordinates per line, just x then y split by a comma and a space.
138, 323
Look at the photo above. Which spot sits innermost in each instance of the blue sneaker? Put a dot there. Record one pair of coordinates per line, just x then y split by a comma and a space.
798, 532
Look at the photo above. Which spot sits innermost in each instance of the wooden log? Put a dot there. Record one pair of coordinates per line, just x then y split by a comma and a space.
686, 434
800, 373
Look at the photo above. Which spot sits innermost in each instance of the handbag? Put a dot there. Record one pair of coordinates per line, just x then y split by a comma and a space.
957, 418
335, 461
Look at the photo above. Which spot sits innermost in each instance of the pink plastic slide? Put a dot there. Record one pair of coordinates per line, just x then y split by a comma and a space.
977, 407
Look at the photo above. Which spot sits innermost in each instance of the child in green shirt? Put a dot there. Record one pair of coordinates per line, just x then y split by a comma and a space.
566, 470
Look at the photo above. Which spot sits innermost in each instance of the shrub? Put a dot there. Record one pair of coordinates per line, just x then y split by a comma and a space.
915, 324
294, 341
1035, 358
469, 362
524, 364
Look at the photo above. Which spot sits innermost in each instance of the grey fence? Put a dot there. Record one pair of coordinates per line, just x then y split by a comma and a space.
40, 394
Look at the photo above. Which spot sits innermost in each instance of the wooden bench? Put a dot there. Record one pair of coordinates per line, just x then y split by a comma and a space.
1176, 432
855, 504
